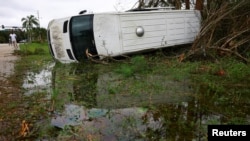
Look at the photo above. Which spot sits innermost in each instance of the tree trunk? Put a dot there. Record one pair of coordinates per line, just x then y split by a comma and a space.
177, 4
199, 5
141, 4
187, 2
208, 4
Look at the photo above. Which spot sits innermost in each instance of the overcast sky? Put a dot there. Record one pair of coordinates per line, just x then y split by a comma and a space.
12, 11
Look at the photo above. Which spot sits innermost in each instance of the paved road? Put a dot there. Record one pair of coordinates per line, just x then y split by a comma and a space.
7, 60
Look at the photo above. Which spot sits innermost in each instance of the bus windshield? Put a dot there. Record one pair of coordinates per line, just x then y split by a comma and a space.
82, 36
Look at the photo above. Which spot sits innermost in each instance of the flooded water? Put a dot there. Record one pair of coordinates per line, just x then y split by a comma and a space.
105, 105
97, 102
38, 81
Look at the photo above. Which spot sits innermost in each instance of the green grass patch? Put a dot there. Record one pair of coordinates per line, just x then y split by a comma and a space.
136, 65
33, 49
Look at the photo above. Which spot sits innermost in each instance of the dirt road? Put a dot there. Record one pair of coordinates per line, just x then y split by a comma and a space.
9, 94
7, 60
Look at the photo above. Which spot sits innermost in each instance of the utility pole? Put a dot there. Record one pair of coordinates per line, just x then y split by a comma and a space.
38, 18
40, 38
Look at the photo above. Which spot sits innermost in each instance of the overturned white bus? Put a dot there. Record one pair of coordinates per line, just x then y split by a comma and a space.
73, 39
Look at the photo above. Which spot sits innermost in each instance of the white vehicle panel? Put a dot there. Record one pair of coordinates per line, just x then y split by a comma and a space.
114, 34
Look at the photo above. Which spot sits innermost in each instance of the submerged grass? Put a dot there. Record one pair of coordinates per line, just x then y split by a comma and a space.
147, 80
136, 65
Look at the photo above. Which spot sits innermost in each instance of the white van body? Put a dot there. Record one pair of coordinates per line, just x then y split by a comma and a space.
72, 39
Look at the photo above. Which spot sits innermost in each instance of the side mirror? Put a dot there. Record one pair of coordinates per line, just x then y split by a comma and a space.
82, 12
3, 27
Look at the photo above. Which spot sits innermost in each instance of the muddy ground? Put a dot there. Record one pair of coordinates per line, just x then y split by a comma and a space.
7, 60
8, 92
7, 66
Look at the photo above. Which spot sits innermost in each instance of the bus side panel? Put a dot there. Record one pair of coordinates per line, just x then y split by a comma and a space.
106, 34
182, 27
154, 25
161, 29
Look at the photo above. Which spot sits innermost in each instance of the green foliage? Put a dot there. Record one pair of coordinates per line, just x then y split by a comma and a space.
40, 51
138, 64
54, 94
28, 23
233, 80
34, 49
4, 35
125, 70
236, 70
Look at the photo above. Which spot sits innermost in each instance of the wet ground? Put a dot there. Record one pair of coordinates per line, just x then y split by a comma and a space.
6, 60
8, 91
85, 102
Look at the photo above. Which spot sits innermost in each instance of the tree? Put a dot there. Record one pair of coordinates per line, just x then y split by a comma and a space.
162, 3
40, 34
224, 30
199, 4
29, 23
187, 3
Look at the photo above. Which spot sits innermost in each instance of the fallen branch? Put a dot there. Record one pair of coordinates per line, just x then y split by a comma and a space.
233, 52
101, 61
225, 29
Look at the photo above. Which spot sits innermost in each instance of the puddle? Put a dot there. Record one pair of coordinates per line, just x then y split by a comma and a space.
81, 84
38, 81
108, 109
107, 106
140, 91
73, 115
104, 105
118, 124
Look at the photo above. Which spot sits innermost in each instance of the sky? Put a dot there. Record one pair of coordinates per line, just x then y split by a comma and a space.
12, 11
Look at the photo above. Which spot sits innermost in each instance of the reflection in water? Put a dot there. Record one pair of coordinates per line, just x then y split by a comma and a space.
38, 81
125, 123
154, 107
140, 91
112, 107
112, 90
73, 115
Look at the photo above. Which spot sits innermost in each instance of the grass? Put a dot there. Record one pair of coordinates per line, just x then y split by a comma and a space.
33, 49
34, 56
140, 81
137, 65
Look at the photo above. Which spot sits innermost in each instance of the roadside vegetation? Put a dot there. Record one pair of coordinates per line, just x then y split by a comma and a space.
220, 82
33, 49
215, 67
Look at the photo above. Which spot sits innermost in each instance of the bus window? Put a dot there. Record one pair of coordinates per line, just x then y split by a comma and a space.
82, 36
